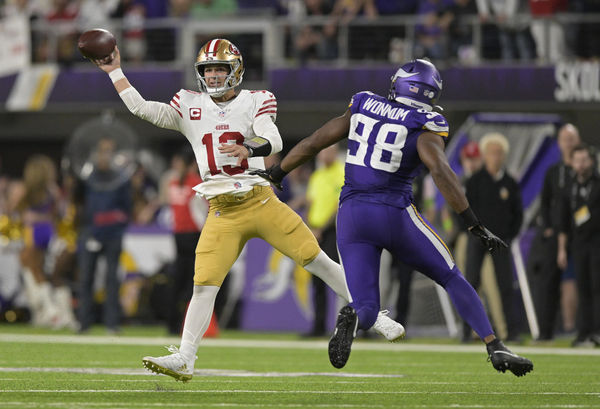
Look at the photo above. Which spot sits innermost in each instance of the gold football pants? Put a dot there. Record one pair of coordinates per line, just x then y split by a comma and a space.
235, 219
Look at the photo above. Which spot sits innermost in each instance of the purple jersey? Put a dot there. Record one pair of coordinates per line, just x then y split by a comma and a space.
382, 158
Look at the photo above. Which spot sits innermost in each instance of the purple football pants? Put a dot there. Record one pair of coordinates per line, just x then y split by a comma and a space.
364, 229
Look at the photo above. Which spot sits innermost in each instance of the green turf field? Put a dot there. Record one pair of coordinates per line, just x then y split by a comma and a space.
44, 369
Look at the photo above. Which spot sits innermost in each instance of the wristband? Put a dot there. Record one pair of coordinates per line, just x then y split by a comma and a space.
258, 146
469, 218
116, 75
250, 150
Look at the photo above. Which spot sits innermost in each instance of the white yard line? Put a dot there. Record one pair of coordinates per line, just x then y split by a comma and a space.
236, 374
79, 405
198, 372
308, 344
312, 392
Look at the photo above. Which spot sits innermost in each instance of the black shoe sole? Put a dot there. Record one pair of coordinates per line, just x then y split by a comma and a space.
518, 366
340, 343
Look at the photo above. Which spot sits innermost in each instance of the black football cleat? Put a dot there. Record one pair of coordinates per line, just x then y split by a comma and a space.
340, 343
503, 358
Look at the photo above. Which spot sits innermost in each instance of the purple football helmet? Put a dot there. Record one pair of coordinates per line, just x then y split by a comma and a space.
417, 84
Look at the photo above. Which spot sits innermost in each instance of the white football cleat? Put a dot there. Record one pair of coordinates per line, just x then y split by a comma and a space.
392, 331
173, 365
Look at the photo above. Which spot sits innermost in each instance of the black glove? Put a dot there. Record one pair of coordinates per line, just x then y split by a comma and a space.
489, 239
274, 175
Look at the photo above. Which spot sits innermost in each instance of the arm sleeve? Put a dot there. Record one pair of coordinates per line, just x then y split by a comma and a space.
264, 126
157, 113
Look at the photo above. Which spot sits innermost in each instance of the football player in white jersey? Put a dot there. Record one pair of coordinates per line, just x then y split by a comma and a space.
230, 133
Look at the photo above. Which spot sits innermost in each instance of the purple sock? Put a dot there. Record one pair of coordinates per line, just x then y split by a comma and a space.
367, 314
468, 305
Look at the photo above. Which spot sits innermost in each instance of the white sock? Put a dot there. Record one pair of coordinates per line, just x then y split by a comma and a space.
197, 319
330, 272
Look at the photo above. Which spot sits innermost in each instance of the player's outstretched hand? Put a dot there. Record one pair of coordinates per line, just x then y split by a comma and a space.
111, 62
274, 175
489, 239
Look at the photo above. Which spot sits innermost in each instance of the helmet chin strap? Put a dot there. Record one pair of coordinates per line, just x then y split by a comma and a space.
216, 93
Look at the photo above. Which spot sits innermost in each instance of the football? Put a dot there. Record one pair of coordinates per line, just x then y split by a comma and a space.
96, 44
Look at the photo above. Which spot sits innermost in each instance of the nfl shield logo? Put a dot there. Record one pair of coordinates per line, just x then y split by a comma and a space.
221, 114
237, 185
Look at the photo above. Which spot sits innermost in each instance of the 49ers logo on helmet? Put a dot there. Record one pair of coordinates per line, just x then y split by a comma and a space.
233, 49
195, 114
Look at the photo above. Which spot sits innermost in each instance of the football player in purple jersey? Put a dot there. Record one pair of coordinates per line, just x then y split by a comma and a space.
388, 141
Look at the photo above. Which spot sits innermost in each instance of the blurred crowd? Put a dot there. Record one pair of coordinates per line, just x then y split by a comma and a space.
468, 31
61, 222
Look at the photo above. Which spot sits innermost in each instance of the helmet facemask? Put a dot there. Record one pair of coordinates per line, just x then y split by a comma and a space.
230, 81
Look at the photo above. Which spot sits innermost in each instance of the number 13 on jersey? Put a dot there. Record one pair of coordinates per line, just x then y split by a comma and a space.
225, 137
386, 140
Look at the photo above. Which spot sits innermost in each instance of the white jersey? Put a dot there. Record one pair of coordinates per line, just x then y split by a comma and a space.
207, 125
